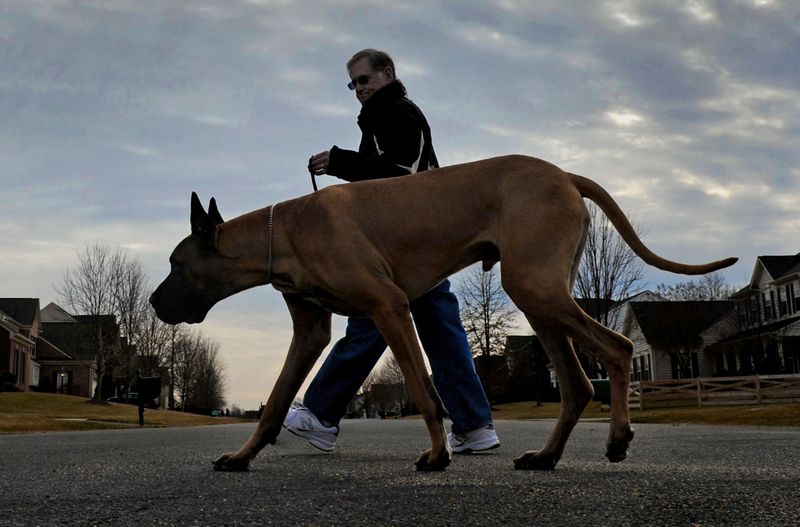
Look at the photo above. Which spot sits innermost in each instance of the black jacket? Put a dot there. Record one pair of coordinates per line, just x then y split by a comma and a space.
395, 139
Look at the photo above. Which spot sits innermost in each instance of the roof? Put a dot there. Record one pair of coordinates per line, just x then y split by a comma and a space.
754, 332
743, 292
107, 322
661, 321
780, 266
52, 312
22, 310
77, 340
515, 342
47, 351
595, 306
77, 335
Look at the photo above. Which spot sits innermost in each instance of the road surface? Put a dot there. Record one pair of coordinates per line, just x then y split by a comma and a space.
674, 475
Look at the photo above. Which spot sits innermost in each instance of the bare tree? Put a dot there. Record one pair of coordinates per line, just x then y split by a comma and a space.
199, 372
176, 335
187, 351
389, 371
209, 388
609, 269
154, 343
486, 311
88, 290
708, 287
388, 389
129, 289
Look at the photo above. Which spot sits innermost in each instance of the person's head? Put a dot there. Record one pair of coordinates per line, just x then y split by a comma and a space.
369, 71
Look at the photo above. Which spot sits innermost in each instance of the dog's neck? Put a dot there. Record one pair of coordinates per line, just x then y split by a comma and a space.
245, 241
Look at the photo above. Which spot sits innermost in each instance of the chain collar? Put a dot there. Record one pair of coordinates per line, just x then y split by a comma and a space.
269, 244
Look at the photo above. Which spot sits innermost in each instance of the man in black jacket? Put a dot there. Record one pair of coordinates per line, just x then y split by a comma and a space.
395, 141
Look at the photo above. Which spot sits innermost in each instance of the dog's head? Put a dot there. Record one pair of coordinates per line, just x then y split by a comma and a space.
198, 276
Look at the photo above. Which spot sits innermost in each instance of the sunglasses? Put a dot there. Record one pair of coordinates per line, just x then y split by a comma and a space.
363, 80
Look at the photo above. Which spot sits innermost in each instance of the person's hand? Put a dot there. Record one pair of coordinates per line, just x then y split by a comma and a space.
318, 163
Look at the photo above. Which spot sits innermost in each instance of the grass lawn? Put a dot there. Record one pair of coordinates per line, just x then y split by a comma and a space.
46, 412
767, 415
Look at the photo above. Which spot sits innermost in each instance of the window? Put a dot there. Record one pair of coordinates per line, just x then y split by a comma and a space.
773, 304
62, 381
17, 366
741, 313
767, 302
783, 304
731, 365
21, 379
754, 310
681, 370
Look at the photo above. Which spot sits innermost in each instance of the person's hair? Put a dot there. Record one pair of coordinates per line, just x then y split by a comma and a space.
378, 60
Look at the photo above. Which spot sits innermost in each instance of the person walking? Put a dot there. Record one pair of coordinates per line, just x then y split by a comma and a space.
395, 141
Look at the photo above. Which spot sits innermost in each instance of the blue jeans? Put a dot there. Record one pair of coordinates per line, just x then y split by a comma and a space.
438, 322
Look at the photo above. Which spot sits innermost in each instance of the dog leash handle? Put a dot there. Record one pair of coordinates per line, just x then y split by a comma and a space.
313, 177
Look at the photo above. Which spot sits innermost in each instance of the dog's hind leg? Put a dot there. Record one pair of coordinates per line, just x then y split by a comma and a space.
615, 351
545, 300
393, 318
312, 332
576, 392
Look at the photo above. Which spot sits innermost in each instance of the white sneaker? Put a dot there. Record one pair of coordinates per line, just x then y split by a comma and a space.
478, 440
302, 422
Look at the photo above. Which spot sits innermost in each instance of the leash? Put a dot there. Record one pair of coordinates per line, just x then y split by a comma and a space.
269, 223
313, 177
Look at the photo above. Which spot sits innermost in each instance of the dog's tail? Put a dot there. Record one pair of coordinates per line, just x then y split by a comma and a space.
596, 193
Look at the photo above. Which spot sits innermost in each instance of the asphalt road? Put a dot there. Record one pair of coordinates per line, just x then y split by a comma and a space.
675, 475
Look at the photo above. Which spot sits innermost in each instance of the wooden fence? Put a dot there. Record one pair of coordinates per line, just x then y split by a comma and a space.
757, 389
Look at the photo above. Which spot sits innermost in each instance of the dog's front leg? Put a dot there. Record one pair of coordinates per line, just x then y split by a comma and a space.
312, 332
395, 324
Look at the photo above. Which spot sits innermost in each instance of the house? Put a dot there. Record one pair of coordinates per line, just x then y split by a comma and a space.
20, 324
668, 337
33, 353
74, 370
610, 313
53, 351
67, 361
390, 399
762, 335
529, 377
668, 340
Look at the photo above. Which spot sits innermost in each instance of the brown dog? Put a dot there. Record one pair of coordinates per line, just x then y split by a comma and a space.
369, 248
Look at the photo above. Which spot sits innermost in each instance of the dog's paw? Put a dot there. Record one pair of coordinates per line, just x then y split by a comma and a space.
535, 461
424, 463
617, 449
230, 463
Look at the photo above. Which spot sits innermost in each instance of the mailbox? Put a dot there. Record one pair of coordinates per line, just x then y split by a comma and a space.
148, 388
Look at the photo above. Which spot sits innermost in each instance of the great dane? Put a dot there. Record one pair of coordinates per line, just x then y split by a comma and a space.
369, 248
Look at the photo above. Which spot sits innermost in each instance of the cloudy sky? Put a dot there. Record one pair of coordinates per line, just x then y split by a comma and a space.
112, 112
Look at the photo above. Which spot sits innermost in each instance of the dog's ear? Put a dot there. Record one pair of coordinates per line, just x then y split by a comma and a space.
213, 212
202, 224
